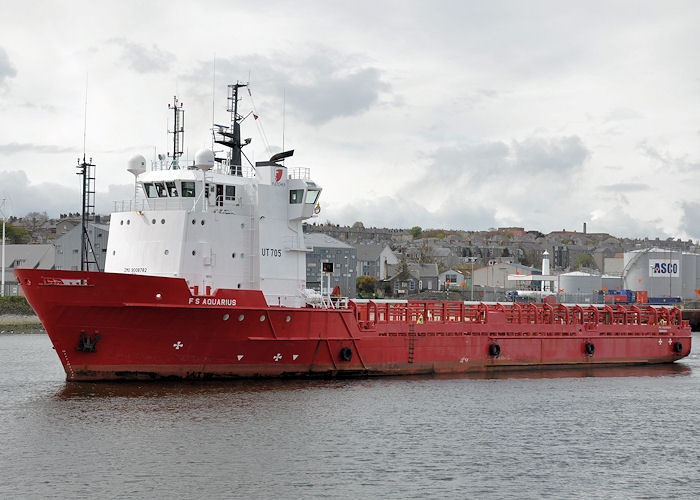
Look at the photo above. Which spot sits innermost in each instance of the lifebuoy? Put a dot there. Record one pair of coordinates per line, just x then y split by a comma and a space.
494, 349
678, 347
590, 348
346, 354
317, 209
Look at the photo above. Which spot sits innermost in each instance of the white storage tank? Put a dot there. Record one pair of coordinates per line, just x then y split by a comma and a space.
578, 282
661, 272
612, 282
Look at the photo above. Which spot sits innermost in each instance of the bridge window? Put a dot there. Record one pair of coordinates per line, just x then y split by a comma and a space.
172, 189
160, 188
230, 193
187, 189
312, 196
149, 189
295, 195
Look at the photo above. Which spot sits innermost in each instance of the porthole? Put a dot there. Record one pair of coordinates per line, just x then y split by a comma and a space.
242, 255
153, 221
226, 317
114, 252
288, 319
239, 285
159, 296
121, 222
202, 222
194, 252
262, 317
162, 221
240, 318
233, 255
167, 252
128, 222
194, 221
242, 226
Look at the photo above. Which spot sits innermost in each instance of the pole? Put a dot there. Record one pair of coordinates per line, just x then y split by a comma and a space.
472, 259
2, 286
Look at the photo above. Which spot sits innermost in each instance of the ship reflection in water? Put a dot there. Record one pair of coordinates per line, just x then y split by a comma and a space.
155, 389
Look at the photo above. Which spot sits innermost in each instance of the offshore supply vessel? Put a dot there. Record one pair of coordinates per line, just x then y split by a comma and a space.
205, 278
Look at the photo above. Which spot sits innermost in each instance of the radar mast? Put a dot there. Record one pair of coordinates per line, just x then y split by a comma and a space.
178, 131
231, 136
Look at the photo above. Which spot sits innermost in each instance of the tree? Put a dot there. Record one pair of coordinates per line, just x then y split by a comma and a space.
366, 285
15, 235
583, 260
415, 232
34, 222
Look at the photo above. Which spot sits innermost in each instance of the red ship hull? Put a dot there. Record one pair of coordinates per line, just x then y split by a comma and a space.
108, 326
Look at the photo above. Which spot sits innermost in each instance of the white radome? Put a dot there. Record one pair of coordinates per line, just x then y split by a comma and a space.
204, 159
137, 165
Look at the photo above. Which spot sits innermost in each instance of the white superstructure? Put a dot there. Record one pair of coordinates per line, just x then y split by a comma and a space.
217, 225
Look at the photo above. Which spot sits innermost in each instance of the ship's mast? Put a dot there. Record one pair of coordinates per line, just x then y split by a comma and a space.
178, 131
232, 137
87, 252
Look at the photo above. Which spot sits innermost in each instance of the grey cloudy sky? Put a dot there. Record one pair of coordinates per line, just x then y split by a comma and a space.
463, 115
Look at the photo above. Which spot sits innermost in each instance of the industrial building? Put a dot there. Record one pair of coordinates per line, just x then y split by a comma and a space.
662, 273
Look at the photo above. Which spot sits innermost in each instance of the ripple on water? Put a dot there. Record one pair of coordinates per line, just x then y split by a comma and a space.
599, 434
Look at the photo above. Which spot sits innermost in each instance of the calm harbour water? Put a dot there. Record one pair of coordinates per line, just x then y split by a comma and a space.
603, 433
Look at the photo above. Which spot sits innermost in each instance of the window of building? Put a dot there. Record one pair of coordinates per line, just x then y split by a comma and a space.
411, 285
295, 196
187, 189
230, 193
172, 189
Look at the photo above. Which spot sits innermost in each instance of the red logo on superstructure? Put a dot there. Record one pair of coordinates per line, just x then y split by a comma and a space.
278, 175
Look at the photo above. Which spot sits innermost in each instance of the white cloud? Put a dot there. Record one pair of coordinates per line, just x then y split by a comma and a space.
542, 114
7, 70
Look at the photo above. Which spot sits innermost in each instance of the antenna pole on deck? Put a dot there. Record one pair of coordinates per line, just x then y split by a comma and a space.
87, 252
178, 131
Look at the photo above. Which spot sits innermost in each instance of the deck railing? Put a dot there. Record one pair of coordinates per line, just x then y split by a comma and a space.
368, 313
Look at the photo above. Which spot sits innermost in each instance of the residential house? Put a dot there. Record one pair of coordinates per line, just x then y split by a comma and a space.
372, 260
25, 257
327, 250
412, 278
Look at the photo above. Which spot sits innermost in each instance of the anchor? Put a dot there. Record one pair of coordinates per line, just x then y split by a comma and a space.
86, 343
